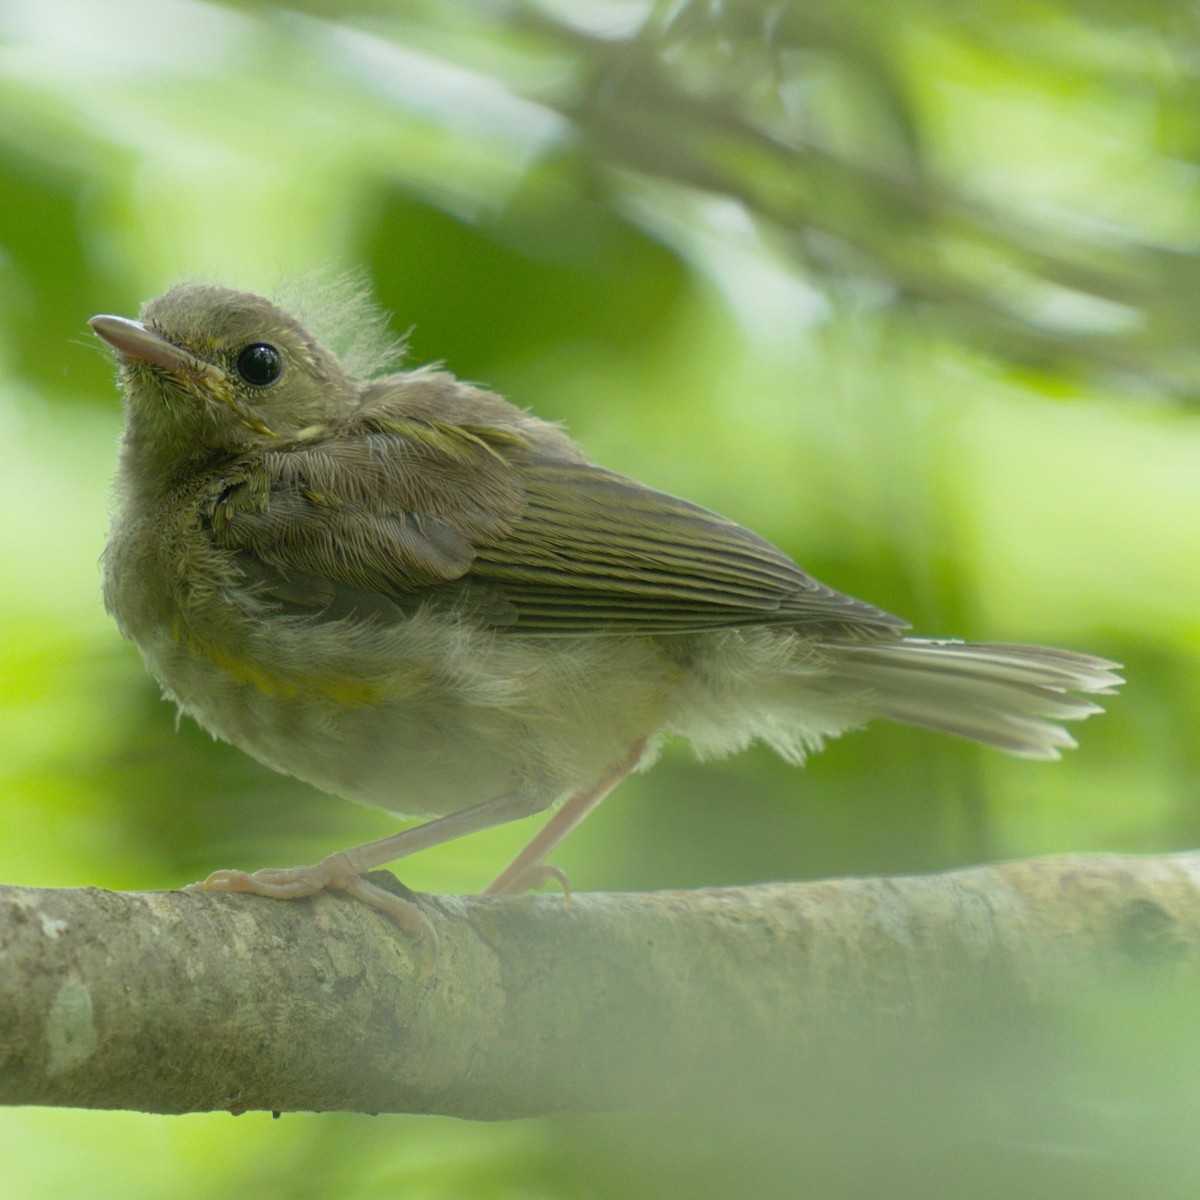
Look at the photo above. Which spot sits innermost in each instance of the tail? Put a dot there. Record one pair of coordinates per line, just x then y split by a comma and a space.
1009, 697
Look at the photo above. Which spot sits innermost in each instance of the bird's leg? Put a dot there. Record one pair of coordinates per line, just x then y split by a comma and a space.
343, 871
529, 869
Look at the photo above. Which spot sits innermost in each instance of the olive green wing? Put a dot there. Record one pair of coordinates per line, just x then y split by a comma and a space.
413, 512
596, 552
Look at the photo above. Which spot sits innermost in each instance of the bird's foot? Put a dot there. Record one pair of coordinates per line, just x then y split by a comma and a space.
335, 873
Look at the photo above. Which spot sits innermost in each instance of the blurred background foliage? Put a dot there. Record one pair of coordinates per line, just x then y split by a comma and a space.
908, 288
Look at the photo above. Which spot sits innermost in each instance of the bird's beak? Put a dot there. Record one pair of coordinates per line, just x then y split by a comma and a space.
135, 343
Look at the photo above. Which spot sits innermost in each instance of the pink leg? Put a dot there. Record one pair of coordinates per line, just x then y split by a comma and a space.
343, 871
528, 869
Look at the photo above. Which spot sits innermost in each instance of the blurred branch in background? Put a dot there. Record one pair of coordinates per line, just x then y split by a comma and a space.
804, 115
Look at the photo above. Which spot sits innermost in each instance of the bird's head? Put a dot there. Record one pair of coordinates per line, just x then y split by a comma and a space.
209, 371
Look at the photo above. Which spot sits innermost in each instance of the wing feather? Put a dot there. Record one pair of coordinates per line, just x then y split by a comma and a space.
413, 511
596, 551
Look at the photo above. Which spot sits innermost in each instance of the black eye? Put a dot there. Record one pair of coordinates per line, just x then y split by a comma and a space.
259, 364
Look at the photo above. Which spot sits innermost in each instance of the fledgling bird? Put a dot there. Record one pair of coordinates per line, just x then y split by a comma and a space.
406, 591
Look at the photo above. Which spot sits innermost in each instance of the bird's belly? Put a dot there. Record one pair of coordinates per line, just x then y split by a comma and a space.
423, 719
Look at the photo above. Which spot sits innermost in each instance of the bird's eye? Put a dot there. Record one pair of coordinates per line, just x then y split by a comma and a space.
260, 364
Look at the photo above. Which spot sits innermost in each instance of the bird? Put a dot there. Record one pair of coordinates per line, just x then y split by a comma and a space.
407, 591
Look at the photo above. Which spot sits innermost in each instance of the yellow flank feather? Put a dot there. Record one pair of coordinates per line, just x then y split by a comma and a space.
353, 693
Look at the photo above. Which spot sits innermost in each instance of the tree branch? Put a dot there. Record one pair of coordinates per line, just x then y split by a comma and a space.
171, 1002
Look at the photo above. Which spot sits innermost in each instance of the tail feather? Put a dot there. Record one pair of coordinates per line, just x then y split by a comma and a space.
1009, 697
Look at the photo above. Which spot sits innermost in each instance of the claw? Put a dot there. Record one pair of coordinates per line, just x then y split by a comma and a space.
530, 880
